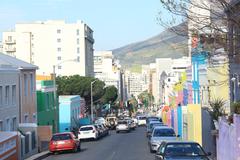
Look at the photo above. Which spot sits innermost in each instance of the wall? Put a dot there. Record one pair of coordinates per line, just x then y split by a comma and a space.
9, 145
11, 110
228, 141
28, 105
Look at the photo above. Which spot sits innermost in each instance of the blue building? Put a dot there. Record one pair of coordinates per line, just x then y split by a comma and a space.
69, 112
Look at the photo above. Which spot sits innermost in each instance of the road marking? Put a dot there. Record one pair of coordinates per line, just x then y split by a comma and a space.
112, 156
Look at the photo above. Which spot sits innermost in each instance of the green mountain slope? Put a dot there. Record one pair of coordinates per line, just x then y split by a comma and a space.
166, 44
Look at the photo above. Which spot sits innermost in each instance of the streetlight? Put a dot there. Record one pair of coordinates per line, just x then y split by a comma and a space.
92, 100
55, 89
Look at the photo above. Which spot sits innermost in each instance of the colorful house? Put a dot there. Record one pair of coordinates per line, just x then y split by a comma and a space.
69, 112
47, 111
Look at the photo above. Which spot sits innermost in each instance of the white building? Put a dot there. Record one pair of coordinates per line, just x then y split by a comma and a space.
107, 69
135, 83
67, 46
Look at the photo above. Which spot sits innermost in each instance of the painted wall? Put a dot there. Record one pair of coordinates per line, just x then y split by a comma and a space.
47, 113
194, 123
228, 141
69, 112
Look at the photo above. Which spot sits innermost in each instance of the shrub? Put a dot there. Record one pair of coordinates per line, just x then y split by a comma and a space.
217, 108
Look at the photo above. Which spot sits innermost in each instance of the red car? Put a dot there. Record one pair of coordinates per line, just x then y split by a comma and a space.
64, 141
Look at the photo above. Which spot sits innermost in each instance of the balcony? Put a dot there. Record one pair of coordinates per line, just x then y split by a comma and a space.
10, 49
10, 41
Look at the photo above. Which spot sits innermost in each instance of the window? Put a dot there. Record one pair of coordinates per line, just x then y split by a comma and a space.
14, 124
59, 67
9, 38
34, 118
59, 40
59, 31
7, 95
14, 92
26, 119
25, 85
78, 41
59, 49
1, 95
8, 124
59, 58
78, 50
77, 31
31, 83
1, 125
78, 59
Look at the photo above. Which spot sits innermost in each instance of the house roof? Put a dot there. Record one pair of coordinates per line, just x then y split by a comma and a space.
7, 61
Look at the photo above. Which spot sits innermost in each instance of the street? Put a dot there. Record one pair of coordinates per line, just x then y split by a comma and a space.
122, 146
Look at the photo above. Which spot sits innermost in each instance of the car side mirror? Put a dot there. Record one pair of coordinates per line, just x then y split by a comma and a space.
178, 136
209, 154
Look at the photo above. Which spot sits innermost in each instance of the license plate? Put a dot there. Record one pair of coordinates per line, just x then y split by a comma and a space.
60, 142
86, 133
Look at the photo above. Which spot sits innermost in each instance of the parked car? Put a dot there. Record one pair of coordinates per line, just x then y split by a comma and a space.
151, 125
141, 120
159, 134
105, 130
111, 121
88, 132
130, 122
152, 118
181, 150
123, 125
100, 120
64, 141
99, 130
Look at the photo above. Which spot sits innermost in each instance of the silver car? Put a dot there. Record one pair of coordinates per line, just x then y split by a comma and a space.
123, 125
160, 134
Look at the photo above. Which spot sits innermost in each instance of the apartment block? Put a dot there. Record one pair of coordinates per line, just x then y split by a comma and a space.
54, 46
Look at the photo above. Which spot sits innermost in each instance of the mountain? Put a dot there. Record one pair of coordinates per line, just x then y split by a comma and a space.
170, 43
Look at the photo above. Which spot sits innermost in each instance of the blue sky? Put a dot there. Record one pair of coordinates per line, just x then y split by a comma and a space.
115, 22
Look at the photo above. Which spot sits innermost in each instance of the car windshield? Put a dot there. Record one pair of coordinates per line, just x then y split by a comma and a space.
188, 149
142, 118
155, 124
86, 128
166, 132
122, 122
61, 137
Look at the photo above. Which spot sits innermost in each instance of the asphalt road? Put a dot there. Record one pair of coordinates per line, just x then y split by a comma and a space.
122, 146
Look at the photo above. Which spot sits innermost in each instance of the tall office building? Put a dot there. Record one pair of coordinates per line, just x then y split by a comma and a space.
68, 47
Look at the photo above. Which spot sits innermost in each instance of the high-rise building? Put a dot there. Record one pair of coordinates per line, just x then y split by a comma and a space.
68, 47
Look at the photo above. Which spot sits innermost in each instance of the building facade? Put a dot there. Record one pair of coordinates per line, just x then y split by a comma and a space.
47, 111
68, 47
25, 96
69, 112
9, 97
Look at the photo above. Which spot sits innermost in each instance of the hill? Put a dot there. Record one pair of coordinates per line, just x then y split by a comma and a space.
169, 43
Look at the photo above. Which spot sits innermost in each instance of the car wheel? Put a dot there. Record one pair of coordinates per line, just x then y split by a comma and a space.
151, 151
79, 146
117, 131
75, 149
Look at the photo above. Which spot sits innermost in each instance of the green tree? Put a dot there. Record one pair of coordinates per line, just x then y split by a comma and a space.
78, 85
146, 98
110, 95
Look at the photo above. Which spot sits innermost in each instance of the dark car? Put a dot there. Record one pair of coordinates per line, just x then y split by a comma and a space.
181, 150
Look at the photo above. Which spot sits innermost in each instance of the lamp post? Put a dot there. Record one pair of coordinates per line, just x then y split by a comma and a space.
55, 91
92, 100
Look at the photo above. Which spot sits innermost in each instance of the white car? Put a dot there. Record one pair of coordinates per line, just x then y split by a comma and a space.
160, 134
141, 120
88, 132
123, 125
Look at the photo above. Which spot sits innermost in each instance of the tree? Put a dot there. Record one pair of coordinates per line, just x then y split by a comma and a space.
110, 95
146, 98
77, 85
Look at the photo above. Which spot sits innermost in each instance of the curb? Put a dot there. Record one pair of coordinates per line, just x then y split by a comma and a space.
39, 156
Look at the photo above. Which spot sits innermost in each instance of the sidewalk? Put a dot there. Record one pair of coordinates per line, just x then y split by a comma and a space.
39, 156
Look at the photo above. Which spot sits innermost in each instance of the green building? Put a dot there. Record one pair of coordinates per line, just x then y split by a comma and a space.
47, 112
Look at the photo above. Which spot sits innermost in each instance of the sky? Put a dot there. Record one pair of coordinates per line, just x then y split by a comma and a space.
115, 22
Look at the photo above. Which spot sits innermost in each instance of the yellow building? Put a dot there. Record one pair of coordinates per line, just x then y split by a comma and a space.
219, 84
